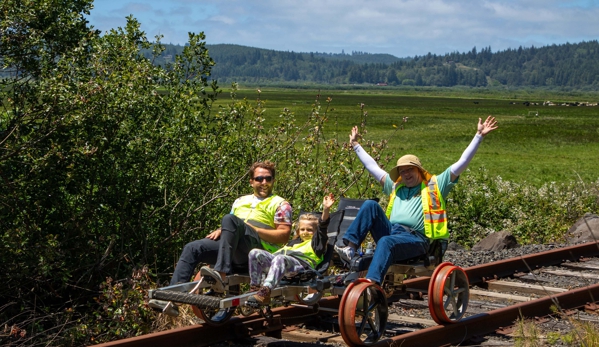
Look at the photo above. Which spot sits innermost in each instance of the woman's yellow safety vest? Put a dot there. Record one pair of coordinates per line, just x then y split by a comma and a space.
261, 215
433, 209
302, 251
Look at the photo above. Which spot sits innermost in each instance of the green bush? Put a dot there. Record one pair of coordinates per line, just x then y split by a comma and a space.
109, 163
481, 204
120, 311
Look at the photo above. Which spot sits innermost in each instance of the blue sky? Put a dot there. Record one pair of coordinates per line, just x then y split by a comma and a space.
403, 28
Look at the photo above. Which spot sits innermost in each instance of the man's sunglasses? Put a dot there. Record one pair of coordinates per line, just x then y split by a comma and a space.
262, 178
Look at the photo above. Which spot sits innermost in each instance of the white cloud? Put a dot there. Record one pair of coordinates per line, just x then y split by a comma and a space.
399, 27
223, 19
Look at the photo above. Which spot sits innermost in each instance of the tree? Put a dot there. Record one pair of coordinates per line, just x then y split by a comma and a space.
101, 157
355, 75
35, 33
108, 164
392, 77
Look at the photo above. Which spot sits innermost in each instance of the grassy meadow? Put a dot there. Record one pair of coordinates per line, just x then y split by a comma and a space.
560, 144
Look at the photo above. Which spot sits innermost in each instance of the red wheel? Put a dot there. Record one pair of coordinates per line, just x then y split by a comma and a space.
344, 297
212, 316
448, 298
430, 288
363, 313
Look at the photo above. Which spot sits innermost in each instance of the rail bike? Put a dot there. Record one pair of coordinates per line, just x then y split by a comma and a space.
363, 308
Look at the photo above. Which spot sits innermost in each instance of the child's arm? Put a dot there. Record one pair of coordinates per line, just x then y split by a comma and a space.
319, 240
327, 202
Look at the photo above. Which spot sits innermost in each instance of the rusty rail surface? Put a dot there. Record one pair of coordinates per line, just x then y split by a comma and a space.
489, 322
504, 268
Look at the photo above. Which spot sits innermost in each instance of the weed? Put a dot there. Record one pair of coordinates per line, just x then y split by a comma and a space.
527, 334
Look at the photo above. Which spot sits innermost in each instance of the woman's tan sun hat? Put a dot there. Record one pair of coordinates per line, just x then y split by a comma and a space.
408, 160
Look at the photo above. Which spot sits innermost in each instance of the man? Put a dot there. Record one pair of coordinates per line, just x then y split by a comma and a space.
259, 220
416, 211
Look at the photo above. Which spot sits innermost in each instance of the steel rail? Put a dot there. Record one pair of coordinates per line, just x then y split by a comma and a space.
504, 268
489, 322
238, 327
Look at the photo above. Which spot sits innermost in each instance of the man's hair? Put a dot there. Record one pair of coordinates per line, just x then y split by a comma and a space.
268, 165
306, 217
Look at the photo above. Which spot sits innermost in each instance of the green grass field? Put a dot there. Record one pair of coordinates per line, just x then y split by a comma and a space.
561, 144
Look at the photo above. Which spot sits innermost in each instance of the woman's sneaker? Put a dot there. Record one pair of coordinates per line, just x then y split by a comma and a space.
345, 253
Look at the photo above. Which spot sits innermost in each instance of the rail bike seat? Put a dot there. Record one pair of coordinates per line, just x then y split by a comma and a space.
351, 207
307, 286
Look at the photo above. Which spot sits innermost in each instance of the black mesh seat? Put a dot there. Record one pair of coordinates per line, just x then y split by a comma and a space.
351, 208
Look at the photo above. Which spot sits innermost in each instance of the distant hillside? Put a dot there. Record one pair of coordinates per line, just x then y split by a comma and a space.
225, 51
563, 66
360, 57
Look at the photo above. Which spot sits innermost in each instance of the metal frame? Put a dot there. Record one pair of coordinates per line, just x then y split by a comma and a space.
325, 285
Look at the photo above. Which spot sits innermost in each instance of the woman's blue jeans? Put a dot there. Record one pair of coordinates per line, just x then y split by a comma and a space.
394, 242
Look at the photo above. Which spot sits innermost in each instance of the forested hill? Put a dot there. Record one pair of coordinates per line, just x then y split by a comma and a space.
566, 65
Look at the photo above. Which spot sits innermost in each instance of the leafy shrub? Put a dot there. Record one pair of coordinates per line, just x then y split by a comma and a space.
109, 162
120, 311
481, 204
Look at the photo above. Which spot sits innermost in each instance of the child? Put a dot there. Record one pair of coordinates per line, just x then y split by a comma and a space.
301, 253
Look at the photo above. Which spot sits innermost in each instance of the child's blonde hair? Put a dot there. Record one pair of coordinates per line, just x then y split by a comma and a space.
306, 217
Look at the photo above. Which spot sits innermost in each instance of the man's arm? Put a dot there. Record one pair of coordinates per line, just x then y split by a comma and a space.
483, 129
215, 235
278, 235
282, 221
369, 163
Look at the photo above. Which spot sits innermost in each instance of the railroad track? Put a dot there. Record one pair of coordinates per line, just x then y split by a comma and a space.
500, 293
